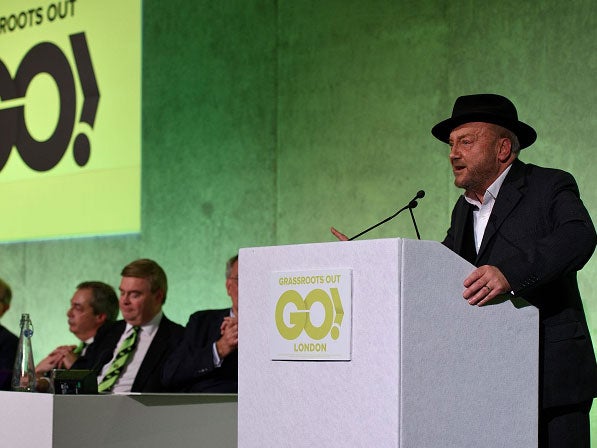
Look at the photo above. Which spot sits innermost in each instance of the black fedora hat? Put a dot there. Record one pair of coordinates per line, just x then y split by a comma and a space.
487, 108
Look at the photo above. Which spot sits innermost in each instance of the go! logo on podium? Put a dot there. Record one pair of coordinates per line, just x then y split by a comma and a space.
300, 318
311, 315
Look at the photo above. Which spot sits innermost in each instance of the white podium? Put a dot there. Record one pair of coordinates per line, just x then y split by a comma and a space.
426, 369
117, 421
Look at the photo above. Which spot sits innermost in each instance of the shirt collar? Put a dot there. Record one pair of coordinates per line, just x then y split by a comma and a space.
149, 327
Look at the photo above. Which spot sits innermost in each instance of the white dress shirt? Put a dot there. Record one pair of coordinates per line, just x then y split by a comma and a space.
483, 210
86, 344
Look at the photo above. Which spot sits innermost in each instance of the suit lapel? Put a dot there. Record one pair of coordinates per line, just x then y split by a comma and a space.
460, 220
158, 345
103, 353
509, 196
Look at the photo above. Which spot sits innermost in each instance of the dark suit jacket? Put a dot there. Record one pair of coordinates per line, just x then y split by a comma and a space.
148, 378
191, 368
539, 235
89, 359
8, 352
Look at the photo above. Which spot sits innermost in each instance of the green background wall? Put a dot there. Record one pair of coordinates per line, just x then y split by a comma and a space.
265, 122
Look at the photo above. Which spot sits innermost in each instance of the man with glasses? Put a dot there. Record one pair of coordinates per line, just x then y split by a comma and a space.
207, 359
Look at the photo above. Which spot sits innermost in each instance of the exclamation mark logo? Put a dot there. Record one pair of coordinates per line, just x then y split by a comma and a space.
91, 95
335, 331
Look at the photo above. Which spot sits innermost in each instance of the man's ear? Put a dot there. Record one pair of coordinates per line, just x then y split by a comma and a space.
101, 318
505, 150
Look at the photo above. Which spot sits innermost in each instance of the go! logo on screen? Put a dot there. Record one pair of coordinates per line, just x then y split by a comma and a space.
49, 59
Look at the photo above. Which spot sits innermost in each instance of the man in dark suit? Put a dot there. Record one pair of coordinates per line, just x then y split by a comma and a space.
8, 341
93, 305
527, 230
207, 359
149, 336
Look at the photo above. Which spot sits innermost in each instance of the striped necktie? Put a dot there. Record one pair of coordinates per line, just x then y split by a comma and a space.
125, 349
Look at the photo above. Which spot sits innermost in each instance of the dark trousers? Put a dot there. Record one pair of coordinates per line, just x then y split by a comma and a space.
565, 426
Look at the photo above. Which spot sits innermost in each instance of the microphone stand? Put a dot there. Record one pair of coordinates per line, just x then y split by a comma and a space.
412, 204
412, 215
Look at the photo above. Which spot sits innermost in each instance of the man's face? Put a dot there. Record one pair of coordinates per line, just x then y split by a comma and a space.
138, 304
475, 156
82, 322
232, 286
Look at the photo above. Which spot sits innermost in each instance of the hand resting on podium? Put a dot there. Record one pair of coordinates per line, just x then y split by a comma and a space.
338, 234
482, 285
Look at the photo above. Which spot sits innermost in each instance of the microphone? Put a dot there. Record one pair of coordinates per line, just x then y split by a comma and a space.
412, 204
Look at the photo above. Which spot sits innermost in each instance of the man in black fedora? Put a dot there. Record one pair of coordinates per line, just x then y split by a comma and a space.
527, 230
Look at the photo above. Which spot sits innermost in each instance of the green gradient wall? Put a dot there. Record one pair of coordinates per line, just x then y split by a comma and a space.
265, 122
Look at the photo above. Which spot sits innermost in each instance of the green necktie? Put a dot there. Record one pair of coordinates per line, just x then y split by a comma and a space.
79, 349
125, 349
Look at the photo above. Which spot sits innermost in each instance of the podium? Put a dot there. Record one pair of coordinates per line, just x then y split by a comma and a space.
425, 368
117, 421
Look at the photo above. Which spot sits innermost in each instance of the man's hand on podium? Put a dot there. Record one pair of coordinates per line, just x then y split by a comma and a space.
484, 284
339, 235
